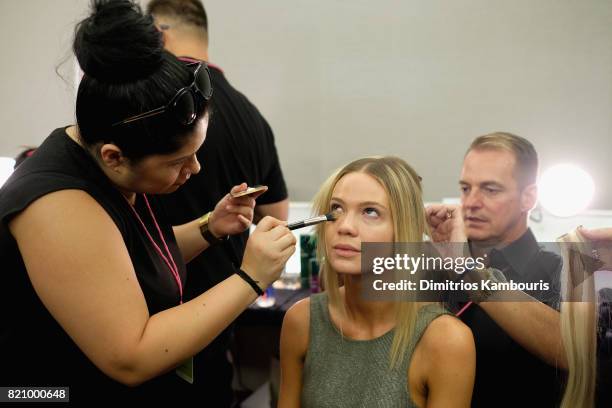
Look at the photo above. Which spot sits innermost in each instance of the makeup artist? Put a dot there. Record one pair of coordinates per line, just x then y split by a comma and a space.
93, 274
239, 147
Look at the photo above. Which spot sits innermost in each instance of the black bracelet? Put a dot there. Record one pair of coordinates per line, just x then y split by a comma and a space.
250, 281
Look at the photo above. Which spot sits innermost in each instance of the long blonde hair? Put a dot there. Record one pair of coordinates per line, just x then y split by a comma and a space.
578, 324
403, 187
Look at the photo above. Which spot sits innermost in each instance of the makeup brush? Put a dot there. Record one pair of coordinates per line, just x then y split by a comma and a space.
312, 221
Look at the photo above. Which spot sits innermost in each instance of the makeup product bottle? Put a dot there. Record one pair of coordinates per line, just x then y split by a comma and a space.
314, 276
305, 255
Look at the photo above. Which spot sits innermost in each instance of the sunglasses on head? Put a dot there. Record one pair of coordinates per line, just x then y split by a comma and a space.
187, 102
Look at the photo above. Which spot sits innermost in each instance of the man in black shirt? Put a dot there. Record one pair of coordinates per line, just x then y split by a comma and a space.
239, 147
517, 343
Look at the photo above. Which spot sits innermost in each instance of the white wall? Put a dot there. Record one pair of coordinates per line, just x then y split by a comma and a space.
421, 79
341, 79
35, 37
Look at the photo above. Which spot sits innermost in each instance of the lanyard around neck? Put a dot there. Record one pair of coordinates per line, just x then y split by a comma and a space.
169, 260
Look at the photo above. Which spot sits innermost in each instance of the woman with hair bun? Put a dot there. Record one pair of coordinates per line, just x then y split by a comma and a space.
91, 294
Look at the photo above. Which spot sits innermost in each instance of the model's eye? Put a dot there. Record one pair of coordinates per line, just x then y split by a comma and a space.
335, 207
371, 212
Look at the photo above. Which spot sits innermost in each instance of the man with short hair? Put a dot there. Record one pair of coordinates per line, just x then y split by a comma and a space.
498, 188
517, 343
239, 147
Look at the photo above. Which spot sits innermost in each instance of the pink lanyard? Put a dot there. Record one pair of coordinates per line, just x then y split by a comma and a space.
168, 260
463, 309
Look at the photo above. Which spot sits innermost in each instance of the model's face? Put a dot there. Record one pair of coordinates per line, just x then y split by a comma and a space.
363, 215
494, 211
165, 173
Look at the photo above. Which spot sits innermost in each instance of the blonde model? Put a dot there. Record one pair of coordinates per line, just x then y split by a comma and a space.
338, 349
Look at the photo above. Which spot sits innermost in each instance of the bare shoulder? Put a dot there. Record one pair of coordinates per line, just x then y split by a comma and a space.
293, 349
448, 362
298, 316
296, 328
447, 336
62, 205
82, 223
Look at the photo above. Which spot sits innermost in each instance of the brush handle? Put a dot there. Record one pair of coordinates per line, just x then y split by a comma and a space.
305, 223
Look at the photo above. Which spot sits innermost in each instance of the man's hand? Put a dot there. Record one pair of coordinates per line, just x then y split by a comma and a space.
601, 248
446, 222
599, 234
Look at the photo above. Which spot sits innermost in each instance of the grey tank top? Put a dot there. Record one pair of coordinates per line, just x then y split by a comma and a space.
341, 372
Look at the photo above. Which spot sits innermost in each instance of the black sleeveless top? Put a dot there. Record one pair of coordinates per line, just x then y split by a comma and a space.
34, 349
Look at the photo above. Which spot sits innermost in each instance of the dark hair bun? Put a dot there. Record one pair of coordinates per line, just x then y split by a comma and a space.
117, 43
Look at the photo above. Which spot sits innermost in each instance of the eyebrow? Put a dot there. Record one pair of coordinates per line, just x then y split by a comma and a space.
189, 155
181, 158
339, 200
484, 183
